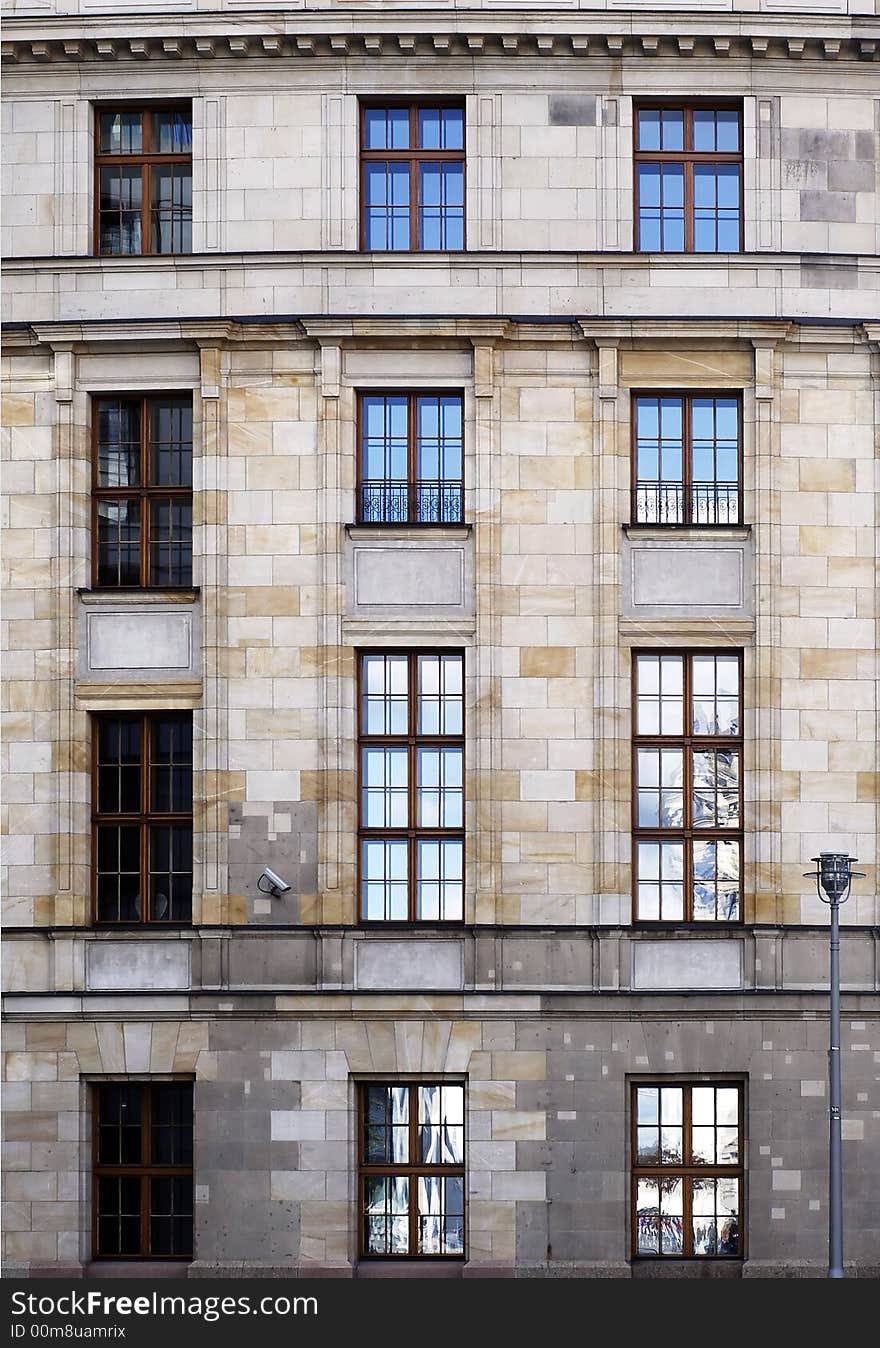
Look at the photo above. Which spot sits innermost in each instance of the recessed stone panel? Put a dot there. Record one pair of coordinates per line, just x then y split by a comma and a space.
407, 575
686, 577
139, 641
138, 966
147, 640
671, 965
409, 965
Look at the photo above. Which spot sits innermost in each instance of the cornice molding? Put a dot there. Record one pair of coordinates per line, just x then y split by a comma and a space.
302, 37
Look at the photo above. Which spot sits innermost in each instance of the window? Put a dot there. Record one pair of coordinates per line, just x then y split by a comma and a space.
142, 820
410, 469
142, 492
412, 177
689, 179
686, 459
143, 191
687, 1175
687, 774
412, 1169
143, 1170
411, 792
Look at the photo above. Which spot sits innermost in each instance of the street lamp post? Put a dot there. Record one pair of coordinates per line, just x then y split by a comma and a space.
834, 875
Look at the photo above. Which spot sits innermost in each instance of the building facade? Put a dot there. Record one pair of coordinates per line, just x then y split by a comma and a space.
440, 456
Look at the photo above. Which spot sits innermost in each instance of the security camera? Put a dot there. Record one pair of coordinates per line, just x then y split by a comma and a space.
270, 883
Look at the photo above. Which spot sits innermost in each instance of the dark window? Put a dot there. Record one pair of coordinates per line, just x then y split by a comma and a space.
411, 458
412, 1169
143, 1170
143, 191
689, 179
411, 807
686, 451
687, 796
142, 492
142, 818
412, 177
687, 1148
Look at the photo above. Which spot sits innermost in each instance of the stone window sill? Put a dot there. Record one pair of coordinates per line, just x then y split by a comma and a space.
408, 531
147, 595
697, 533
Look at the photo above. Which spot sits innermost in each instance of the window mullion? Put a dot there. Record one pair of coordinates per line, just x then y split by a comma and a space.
414, 241
145, 819
687, 460
413, 1160
412, 459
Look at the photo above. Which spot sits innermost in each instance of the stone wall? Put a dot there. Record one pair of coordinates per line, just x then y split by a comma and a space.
546, 1126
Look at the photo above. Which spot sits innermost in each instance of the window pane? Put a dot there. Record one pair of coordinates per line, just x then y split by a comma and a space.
119, 1124
440, 788
171, 874
649, 129
119, 1216
439, 449
386, 1204
385, 777
172, 132
171, 1140
387, 206
441, 695
170, 432
170, 541
384, 880
118, 873
386, 129
119, 442
385, 700
440, 881
441, 211
441, 128
385, 459
171, 208
120, 133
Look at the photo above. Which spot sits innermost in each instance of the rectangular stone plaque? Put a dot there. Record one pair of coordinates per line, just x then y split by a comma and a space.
673, 965
138, 966
140, 640
409, 965
409, 578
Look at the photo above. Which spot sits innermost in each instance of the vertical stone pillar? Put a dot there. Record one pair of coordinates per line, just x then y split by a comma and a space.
762, 691
611, 826
331, 729
210, 556
63, 581
487, 694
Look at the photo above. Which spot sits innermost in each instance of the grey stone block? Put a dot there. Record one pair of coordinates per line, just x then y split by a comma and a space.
865, 145
825, 145
839, 206
827, 276
572, 110
855, 175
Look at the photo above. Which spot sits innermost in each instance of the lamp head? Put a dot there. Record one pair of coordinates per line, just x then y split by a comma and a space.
834, 875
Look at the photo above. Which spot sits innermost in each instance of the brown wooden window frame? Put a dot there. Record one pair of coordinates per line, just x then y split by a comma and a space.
689, 744
144, 1171
413, 482
146, 493
688, 1169
687, 397
412, 741
144, 819
688, 157
415, 157
413, 1169
145, 159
